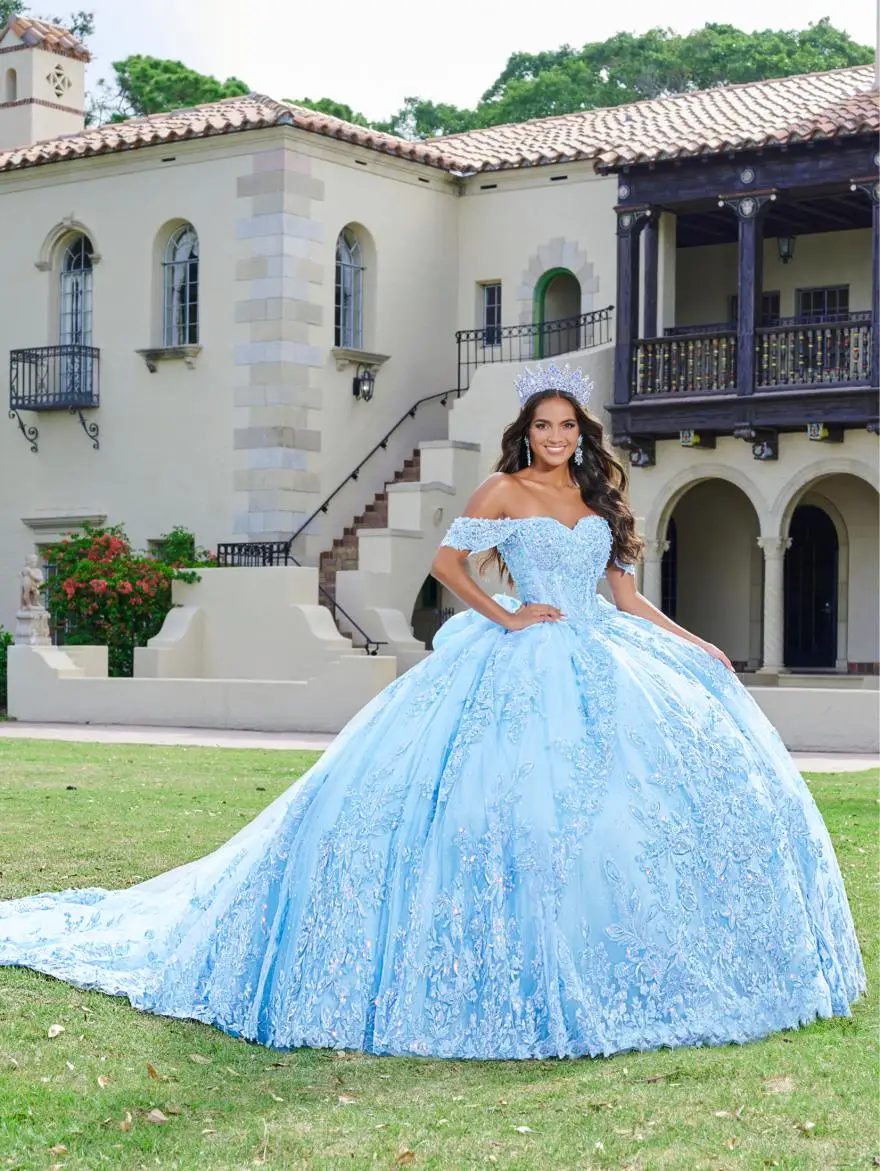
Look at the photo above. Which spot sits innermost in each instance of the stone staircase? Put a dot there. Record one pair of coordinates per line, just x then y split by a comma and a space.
344, 552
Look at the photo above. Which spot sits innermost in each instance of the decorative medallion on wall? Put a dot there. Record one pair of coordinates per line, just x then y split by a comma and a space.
59, 82
747, 175
623, 192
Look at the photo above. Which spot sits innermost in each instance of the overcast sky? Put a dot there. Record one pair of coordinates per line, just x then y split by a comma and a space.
372, 54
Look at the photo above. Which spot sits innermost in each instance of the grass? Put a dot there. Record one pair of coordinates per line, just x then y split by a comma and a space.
109, 815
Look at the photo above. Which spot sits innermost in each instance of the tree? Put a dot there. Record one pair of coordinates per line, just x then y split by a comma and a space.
660, 62
333, 109
630, 68
148, 85
422, 119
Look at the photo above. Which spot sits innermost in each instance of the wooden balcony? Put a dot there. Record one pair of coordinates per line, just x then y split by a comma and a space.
804, 373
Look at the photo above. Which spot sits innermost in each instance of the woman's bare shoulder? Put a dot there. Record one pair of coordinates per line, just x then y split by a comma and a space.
492, 499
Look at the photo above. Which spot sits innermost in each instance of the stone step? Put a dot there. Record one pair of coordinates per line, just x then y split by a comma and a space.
344, 552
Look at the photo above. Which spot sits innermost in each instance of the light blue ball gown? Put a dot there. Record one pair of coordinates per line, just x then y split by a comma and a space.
578, 838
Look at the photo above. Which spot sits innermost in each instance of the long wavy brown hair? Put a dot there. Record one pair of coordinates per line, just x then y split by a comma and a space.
601, 477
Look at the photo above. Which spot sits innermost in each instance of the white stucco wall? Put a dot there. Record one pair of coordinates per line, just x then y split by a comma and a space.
515, 226
166, 438
706, 277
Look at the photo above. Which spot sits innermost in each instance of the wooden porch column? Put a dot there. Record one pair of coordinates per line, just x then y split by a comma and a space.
652, 268
629, 224
749, 212
871, 188
875, 285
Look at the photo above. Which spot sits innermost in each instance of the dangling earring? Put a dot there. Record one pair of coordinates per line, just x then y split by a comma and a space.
579, 451
528, 453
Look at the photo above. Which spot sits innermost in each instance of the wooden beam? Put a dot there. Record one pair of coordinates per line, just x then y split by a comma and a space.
875, 289
801, 168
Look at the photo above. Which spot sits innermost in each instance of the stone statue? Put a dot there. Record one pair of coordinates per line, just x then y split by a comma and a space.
31, 583
32, 619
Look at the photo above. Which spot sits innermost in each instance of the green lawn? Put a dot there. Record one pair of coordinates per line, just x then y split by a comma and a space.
107, 815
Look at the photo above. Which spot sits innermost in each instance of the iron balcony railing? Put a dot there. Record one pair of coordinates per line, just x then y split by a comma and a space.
527, 343
54, 378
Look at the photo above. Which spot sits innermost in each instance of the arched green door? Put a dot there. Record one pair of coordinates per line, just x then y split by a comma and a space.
557, 308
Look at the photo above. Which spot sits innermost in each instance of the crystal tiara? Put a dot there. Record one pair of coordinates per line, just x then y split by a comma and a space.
571, 382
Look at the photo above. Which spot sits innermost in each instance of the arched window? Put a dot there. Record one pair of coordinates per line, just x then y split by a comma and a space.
181, 288
349, 291
10, 89
76, 293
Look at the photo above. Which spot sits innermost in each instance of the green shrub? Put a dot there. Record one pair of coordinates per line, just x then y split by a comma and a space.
5, 643
102, 593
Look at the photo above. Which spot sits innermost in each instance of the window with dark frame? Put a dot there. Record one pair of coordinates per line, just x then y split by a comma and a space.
830, 303
180, 268
349, 307
769, 308
492, 314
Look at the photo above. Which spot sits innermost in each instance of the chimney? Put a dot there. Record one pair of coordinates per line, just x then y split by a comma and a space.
42, 82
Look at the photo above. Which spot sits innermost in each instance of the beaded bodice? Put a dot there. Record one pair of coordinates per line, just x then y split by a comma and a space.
549, 561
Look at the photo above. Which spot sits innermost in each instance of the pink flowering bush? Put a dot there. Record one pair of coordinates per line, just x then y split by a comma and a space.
102, 593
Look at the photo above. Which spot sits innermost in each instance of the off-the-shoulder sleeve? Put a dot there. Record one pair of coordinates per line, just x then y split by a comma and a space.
477, 533
623, 566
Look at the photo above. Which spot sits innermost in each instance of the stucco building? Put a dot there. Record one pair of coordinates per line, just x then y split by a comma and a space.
214, 317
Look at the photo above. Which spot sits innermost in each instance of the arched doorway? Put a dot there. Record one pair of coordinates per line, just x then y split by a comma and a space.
430, 611
811, 601
669, 572
557, 305
710, 574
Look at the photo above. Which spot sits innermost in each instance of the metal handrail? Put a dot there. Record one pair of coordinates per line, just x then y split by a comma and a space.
442, 397
278, 552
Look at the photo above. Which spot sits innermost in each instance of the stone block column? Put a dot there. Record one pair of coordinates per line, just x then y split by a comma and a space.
652, 576
280, 346
774, 549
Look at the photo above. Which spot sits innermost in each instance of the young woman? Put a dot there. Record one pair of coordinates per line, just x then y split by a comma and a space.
568, 831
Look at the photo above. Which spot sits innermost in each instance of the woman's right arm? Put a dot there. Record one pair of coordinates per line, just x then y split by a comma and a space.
450, 565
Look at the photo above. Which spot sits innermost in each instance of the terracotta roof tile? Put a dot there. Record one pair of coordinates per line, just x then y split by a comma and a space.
51, 37
253, 112
735, 117
738, 117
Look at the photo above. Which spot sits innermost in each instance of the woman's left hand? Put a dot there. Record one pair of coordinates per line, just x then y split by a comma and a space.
716, 653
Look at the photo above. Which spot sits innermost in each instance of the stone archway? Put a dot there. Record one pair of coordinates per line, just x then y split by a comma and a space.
829, 525
558, 255
712, 567
557, 311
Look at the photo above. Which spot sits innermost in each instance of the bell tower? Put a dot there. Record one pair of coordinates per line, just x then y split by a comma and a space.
42, 82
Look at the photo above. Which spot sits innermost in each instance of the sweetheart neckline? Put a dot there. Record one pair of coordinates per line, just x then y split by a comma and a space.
556, 520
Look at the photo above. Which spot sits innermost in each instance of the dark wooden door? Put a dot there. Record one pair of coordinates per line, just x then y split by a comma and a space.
811, 590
